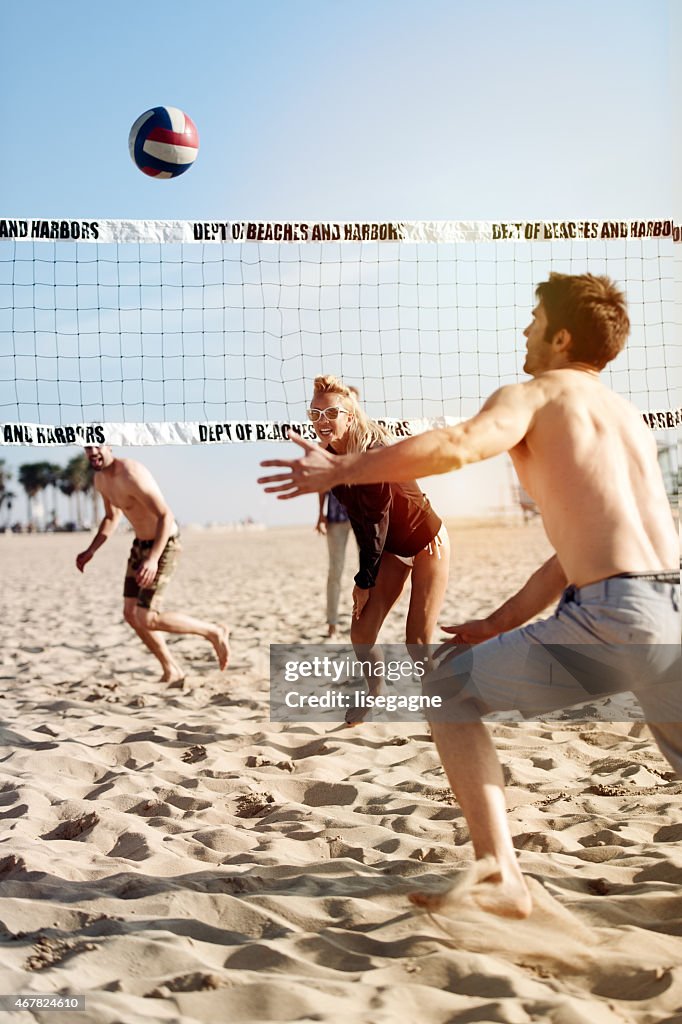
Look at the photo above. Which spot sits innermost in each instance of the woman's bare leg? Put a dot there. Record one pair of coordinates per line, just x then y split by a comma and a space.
365, 630
429, 582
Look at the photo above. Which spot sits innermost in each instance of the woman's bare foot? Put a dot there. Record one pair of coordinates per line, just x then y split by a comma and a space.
355, 716
331, 631
219, 639
484, 884
362, 713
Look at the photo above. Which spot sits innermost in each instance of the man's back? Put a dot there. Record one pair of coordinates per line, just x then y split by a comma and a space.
590, 462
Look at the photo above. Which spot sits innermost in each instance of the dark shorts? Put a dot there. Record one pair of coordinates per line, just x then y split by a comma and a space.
150, 596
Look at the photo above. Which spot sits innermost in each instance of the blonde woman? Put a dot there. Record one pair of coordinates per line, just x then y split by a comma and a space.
398, 533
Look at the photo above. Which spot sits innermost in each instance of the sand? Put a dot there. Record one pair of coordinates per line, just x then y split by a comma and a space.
175, 856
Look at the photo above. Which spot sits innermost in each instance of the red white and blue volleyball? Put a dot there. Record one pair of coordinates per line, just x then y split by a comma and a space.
164, 142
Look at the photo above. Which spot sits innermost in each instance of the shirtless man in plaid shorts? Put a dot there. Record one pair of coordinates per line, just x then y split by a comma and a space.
127, 487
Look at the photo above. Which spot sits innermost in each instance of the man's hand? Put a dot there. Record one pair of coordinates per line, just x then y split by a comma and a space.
83, 559
146, 574
316, 471
475, 631
360, 599
468, 634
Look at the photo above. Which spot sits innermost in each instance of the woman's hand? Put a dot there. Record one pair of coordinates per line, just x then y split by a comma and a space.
360, 599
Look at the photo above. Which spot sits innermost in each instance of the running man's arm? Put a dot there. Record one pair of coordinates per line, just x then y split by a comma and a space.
542, 589
112, 515
501, 424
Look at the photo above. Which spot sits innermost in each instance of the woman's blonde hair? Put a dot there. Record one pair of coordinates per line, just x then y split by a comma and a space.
363, 432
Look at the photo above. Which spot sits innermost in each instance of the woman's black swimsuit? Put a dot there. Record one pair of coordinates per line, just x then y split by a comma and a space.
397, 518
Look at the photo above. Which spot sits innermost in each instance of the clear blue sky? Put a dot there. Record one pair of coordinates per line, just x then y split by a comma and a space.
389, 109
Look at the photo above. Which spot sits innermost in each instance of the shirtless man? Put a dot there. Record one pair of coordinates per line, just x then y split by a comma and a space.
588, 459
128, 488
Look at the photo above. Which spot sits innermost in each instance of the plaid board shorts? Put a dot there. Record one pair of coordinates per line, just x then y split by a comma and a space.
150, 596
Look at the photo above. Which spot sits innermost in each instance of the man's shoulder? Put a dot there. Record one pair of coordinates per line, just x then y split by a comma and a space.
576, 394
130, 467
524, 393
517, 408
132, 473
555, 385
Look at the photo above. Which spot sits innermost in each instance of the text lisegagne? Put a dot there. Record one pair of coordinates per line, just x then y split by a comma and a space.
335, 700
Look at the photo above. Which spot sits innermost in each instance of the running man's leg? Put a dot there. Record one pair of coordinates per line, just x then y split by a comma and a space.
150, 620
150, 617
172, 673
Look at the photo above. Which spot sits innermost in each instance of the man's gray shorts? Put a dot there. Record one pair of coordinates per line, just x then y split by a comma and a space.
621, 634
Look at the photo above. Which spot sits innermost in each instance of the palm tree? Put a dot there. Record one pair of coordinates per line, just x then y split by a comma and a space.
76, 479
34, 477
6, 495
65, 485
53, 472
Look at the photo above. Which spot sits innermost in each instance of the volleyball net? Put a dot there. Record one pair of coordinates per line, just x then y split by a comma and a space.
190, 332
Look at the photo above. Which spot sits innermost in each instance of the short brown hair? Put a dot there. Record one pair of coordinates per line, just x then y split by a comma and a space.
594, 312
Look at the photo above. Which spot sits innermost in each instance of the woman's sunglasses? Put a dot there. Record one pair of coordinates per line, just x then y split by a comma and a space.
329, 414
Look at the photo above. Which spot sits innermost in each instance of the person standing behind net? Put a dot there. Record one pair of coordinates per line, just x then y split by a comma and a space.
398, 533
335, 525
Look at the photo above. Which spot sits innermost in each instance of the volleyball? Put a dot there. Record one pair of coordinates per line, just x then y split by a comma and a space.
163, 142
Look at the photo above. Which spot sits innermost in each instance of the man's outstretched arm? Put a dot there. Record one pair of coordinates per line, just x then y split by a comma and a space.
500, 425
543, 588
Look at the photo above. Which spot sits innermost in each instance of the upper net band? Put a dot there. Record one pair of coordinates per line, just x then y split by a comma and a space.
142, 332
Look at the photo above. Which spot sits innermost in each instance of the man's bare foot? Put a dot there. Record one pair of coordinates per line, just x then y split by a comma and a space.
173, 675
219, 639
331, 631
485, 885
